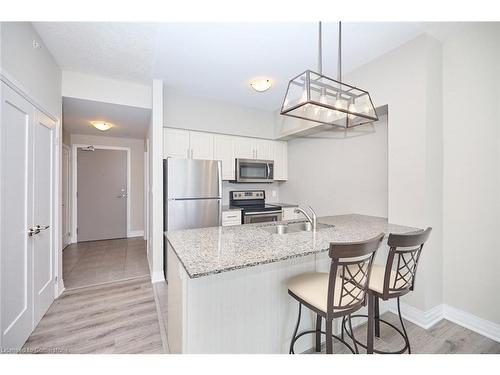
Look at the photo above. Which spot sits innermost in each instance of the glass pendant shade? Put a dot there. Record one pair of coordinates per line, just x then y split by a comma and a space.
315, 97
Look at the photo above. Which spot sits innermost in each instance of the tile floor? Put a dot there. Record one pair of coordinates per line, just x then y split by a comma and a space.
97, 262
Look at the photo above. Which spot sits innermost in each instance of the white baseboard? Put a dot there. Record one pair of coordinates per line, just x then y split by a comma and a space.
427, 319
157, 276
135, 233
424, 319
474, 323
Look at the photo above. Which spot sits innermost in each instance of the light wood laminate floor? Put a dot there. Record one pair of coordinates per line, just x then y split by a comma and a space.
444, 337
97, 262
118, 317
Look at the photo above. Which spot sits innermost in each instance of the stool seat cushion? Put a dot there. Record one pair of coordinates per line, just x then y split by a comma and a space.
312, 288
377, 278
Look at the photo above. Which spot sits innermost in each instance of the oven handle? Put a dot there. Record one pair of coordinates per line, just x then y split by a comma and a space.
262, 213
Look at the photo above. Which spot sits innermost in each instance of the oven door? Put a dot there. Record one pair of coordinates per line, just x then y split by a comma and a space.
249, 170
261, 217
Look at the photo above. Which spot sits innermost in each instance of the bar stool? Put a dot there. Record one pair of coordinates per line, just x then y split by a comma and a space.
338, 293
394, 280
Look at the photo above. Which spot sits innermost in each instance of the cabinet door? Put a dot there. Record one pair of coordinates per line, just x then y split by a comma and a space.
175, 143
224, 151
244, 148
263, 149
202, 145
280, 161
289, 213
16, 205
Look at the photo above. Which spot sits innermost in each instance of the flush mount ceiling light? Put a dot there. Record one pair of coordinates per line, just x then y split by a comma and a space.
261, 84
101, 125
315, 97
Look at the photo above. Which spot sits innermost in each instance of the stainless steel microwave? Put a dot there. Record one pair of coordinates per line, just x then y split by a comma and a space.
251, 170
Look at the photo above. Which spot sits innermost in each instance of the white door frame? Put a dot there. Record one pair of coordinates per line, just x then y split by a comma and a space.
74, 172
66, 212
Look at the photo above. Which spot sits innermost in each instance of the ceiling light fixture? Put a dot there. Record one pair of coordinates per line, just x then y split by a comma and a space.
261, 84
101, 125
314, 97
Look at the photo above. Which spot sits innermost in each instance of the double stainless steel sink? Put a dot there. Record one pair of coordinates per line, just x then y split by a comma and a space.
294, 227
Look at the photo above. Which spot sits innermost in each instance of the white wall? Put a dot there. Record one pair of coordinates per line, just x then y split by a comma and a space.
340, 175
34, 69
155, 137
471, 66
269, 190
408, 80
101, 89
36, 73
136, 172
197, 113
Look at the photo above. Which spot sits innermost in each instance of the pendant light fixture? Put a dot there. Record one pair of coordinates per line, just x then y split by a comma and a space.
314, 97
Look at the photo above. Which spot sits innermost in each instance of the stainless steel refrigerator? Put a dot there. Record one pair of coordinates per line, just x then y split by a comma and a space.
192, 196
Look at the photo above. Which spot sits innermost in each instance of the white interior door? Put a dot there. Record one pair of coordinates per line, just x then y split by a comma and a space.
15, 219
43, 177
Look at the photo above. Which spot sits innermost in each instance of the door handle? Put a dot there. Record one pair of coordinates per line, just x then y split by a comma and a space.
42, 227
33, 231
122, 196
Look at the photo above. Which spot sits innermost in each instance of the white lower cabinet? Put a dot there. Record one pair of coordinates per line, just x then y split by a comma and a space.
230, 218
179, 143
289, 213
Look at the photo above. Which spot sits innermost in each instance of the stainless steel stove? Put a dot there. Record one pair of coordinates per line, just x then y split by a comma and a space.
254, 207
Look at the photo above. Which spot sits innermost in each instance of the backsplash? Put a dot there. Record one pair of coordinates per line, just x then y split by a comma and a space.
268, 188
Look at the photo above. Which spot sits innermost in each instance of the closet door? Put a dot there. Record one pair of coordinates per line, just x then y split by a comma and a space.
43, 181
15, 219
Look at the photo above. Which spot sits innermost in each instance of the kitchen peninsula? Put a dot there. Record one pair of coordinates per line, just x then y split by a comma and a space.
227, 285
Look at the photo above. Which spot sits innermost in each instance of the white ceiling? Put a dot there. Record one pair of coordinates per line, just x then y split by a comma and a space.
130, 122
216, 60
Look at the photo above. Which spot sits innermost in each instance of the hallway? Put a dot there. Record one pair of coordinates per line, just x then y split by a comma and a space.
97, 262
118, 317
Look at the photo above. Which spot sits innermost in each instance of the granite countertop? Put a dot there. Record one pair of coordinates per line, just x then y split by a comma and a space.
230, 208
208, 251
283, 204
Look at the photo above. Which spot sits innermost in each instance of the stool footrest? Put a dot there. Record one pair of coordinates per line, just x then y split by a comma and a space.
363, 345
323, 333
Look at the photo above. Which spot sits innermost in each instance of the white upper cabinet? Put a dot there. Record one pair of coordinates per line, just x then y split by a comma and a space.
175, 143
202, 145
224, 151
244, 148
180, 143
280, 160
263, 149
